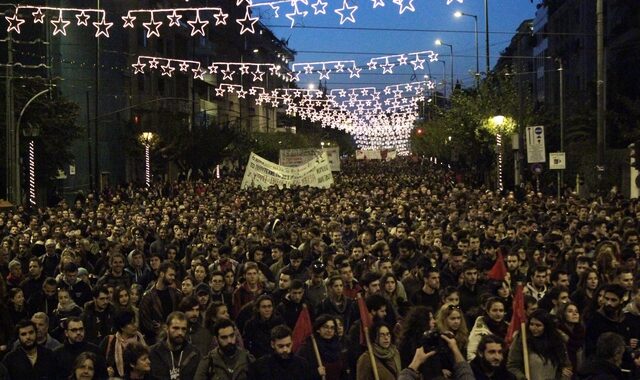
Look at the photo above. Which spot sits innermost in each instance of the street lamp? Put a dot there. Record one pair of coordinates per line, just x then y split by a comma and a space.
444, 77
147, 140
459, 14
32, 132
439, 43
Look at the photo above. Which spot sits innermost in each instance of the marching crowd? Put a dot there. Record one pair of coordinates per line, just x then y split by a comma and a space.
395, 265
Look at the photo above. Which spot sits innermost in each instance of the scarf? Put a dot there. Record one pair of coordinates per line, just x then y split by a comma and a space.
120, 344
390, 356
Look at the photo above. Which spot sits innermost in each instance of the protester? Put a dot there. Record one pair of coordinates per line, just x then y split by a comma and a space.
226, 361
386, 355
282, 363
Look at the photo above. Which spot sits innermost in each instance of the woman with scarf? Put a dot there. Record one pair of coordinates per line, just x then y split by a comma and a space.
385, 353
491, 322
572, 332
113, 346
66, 308
547, 352
325, 332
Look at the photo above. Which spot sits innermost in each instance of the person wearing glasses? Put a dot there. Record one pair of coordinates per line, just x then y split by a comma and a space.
74, 345
385, 353
334, 365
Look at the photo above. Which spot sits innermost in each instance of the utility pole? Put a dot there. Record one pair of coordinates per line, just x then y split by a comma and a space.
9, 121
561, 172
486, 34
96, 149
600, 134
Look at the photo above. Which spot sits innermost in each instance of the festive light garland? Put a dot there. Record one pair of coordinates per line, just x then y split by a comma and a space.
82, 15
147, 164
32, 173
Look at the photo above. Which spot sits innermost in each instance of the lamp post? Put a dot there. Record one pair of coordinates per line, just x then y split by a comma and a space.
486, 34
32, 132
498, 121
444, 77
147, 140
459, 14
439, 43
17, 190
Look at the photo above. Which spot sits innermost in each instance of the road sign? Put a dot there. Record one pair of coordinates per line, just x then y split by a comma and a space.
535, 144
557, 161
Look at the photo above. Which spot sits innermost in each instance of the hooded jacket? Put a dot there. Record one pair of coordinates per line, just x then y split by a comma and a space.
161, 365
216, 367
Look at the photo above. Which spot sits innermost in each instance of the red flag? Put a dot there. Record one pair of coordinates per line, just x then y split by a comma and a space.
365, 320
499, 270
518, 316
302, 330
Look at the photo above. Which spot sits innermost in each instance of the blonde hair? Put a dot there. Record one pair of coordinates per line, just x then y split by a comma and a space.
462, 334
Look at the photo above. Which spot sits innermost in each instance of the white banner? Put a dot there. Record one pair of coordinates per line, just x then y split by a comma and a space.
263, 174
376, 154
297, 157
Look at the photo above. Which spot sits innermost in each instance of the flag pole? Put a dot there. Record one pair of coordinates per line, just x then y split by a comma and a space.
372, 357
315, 347
525, 351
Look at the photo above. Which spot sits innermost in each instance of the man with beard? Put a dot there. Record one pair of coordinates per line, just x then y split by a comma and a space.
227, 361
158, 302
29, 360
489, 361
609, 318
79, 290
282, 363
74, 345
33, 283
174, 357
197, 335
98, 316
45, 300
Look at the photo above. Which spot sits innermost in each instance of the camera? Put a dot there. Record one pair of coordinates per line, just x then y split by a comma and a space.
431, 341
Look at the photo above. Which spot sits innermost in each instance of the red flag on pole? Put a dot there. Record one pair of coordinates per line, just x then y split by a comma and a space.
518, 317
302, 330
499, 270
365, 319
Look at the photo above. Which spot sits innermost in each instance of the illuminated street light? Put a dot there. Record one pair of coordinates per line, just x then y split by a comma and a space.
147, 139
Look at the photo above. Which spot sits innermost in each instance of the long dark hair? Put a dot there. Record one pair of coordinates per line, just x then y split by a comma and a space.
416, 322
549, 346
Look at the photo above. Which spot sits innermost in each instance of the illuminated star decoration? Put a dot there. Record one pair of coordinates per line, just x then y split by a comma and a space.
184, 66
128, 21
200, 25
247, 23
351, 10
168, 69
377, 3
257, 75
221, 18
198, 73
296, 12
60, 25
153, 64
354, 72
152, 27
227, 74
174, 19
324, 73
387, 67
319, 7
82, 18
451, 1
38, 16
14, 23
403, 7
102, 27
418, 63
138, 68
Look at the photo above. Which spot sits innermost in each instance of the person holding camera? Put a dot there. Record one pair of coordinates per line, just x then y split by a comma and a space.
386, 355
461, 369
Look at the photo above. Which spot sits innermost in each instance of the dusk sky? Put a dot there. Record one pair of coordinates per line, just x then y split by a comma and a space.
322, 38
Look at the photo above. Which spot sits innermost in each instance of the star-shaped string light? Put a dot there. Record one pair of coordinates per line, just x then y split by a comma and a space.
14, 23
128, 21
405, 7
213, 68
377, 3
167, 69
257, 75
354, 72
247, 23
319, 7
153, 27
227, 74
197, 25
184, 66
153, 64
38, 16
346, 8
60, 25
221, 18
418, 63
82, 19
102, 27
138, 68
174, 19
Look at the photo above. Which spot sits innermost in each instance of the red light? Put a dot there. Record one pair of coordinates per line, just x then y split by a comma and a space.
136, 119
419, 131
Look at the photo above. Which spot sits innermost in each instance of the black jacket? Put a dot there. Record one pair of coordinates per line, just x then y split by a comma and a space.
66, 355
19, 367
500, 374
271, 367
257, 335
97, 325
161, 360
598, 369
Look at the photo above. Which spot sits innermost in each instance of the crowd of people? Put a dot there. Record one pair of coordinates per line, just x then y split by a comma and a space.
201, 280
